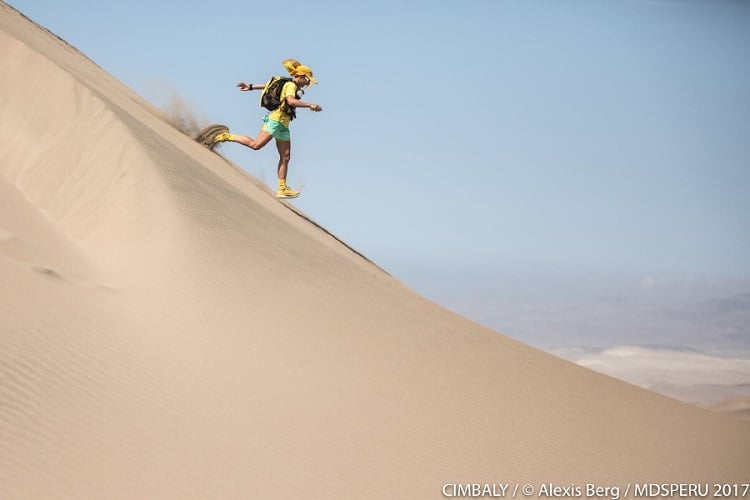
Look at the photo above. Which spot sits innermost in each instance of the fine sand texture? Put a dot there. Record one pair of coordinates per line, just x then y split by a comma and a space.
170, 330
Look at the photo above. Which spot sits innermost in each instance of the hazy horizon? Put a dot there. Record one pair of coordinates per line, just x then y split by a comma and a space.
687, 337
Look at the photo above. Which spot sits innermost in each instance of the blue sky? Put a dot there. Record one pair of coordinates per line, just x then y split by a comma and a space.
463, 142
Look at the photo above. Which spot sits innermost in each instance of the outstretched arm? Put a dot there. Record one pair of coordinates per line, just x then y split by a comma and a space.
293, 101
250, 86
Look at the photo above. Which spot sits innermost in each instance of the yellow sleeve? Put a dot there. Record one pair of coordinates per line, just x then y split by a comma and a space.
289, 89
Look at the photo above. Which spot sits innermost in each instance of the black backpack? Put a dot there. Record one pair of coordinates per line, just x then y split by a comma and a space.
271, 96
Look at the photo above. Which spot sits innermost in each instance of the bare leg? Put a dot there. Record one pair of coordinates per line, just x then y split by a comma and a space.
257, 143
285, 153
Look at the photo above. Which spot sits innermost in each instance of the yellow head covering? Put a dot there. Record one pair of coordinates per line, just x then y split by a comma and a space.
295, 68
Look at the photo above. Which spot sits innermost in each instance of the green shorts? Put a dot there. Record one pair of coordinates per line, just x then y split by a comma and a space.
276, 129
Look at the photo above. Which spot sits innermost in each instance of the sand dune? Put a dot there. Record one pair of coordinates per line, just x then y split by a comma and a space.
168, 329
739, 406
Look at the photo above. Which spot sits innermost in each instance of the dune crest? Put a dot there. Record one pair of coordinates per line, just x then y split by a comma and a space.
168, 329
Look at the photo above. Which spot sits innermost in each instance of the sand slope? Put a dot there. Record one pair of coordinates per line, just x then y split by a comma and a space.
168, 329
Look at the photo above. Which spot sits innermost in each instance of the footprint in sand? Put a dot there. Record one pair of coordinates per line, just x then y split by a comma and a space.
16, 250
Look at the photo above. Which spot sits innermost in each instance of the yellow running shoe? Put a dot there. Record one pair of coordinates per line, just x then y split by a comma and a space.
285, 192
223, 137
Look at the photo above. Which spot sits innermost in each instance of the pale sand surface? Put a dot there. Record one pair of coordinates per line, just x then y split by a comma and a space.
739, 406
168, 329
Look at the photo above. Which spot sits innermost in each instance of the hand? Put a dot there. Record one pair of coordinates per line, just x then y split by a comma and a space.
316, 107
244, 86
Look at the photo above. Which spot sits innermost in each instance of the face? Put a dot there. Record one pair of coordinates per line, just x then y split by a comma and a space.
302, 81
